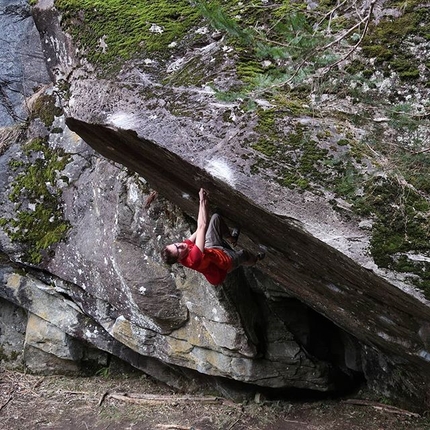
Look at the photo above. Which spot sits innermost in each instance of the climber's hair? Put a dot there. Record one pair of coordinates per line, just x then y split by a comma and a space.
168, 257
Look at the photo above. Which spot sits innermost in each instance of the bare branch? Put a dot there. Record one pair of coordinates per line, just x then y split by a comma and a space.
329, 15
151, 399
368, 19
340, 38
173, 427
324, 48
383, 407
422, 151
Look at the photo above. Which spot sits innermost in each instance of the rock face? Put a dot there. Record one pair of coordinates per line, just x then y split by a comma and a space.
126, 162
23, 63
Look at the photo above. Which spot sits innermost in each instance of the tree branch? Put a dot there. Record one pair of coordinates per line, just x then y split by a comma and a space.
330, 14
368, 19
324, 48
383, 407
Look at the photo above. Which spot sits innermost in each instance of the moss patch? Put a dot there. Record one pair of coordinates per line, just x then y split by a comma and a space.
402, 226
38, 221
298, 159
45, 108
305, 159
111, 31
386, 40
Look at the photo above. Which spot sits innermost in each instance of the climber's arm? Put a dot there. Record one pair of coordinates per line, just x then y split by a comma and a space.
202, 220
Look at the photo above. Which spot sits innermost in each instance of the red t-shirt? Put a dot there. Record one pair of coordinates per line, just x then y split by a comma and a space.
213, 263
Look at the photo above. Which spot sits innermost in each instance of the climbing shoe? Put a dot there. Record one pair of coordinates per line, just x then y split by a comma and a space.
235, 235
260, 256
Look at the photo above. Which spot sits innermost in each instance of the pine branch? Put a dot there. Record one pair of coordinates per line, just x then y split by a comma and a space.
328, 46
300, 42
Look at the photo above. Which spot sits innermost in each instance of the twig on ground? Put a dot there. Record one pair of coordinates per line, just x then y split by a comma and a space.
102, 398
6, 403
382, 407
155, 399
235, 422
77, 393
174, 427
38, 383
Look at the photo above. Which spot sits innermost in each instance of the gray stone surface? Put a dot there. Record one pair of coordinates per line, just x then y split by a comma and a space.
22, 63
13, 322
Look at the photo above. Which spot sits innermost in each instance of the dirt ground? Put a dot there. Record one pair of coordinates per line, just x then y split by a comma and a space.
138, 403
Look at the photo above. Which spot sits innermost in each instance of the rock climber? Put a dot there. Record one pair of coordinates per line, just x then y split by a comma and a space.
206, 250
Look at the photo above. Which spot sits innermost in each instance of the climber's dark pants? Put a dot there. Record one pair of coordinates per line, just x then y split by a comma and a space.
215, 234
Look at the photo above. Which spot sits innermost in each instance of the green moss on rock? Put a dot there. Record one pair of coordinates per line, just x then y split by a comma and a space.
295, 156
46, 109
38, 222
402, 226
385, 41
111, 31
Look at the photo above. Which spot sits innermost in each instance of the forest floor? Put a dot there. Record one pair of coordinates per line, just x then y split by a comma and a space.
139, 403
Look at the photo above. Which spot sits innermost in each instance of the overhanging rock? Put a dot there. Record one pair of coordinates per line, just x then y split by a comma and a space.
376, 312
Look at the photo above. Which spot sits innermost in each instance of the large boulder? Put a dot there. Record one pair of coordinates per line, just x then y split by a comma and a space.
93, 192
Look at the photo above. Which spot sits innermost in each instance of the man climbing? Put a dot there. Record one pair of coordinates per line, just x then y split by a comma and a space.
206, 251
